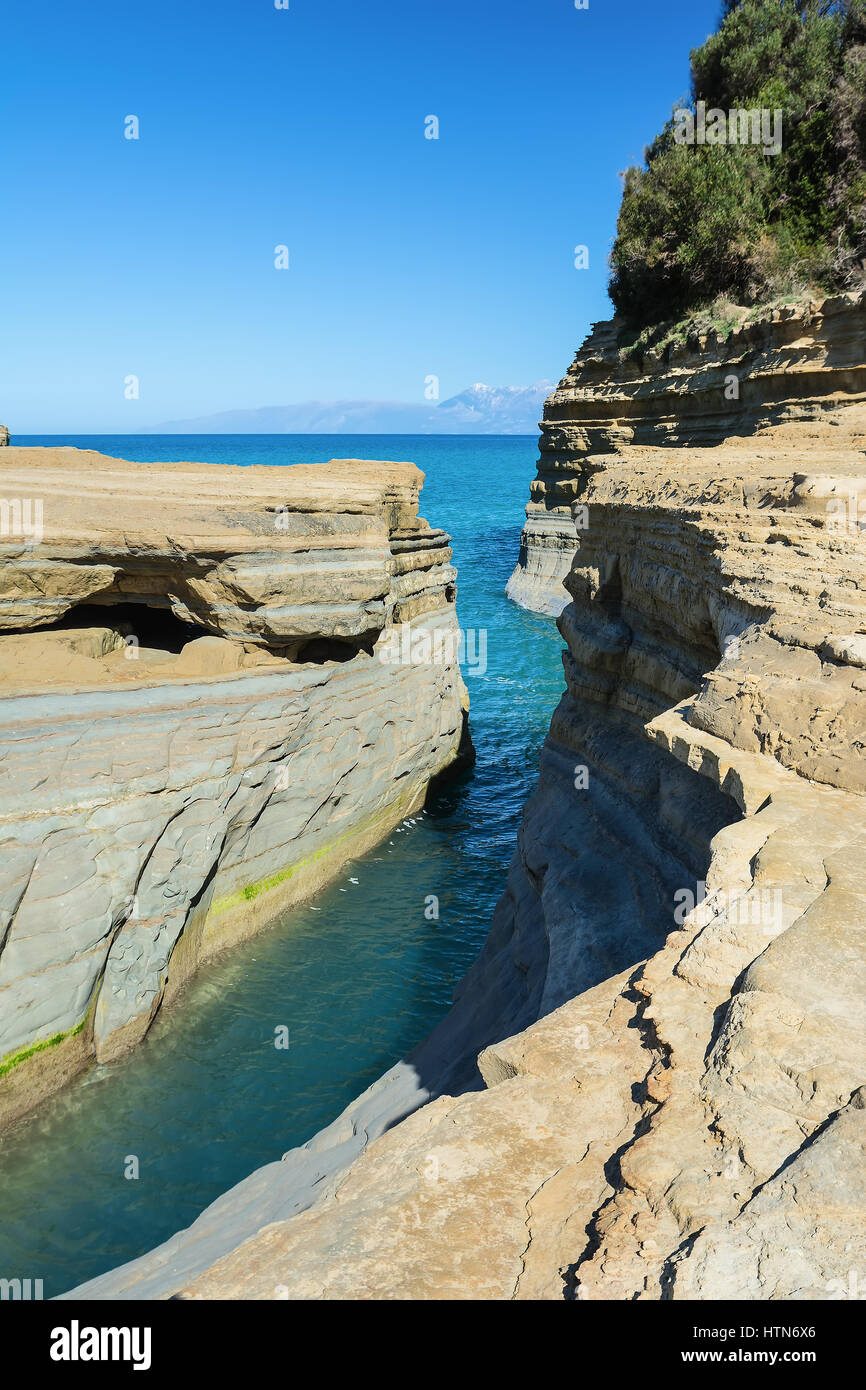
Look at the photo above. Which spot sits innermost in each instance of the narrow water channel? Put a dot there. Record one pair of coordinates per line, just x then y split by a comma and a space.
358, 977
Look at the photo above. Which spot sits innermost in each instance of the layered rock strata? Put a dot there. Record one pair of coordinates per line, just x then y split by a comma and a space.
203, 714
796, 370
668, 1098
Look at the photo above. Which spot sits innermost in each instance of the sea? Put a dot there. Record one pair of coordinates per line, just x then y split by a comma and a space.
358, 976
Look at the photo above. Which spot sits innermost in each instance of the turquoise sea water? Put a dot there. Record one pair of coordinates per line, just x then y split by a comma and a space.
358, 977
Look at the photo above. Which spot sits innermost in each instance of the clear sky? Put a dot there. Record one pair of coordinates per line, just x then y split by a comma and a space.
305, 127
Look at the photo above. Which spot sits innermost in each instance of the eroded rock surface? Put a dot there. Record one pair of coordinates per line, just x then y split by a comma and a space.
792, 375
198, 719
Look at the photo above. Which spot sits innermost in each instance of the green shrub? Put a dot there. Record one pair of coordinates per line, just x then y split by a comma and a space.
700, 221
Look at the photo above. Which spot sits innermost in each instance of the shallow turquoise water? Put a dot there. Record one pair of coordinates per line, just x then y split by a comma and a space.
358, 978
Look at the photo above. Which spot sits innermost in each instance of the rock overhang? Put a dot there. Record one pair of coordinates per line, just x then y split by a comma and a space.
197, 724
270, 557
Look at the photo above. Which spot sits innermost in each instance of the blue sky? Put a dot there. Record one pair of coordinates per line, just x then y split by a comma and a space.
259, 127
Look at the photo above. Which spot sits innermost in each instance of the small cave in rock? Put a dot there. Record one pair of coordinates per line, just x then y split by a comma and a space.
153, 628
100, 631
318, 650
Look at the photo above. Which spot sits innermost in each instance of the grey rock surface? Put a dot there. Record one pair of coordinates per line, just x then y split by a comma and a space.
163, 799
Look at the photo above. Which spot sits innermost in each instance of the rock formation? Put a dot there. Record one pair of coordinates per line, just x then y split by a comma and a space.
202, 716
791, 366
669, 1012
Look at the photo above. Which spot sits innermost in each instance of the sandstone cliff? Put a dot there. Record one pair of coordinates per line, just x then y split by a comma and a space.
196, 724
669, 1010
800, 367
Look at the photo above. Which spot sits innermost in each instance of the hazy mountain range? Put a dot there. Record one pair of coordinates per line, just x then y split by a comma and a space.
479, 410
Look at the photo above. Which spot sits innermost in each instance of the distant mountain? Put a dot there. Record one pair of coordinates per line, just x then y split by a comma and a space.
479, 410
493, 409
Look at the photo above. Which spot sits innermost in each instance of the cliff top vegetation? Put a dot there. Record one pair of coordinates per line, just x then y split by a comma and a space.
755, 190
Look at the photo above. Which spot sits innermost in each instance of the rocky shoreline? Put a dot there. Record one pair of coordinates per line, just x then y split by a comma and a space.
668, 1012
649, 1085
